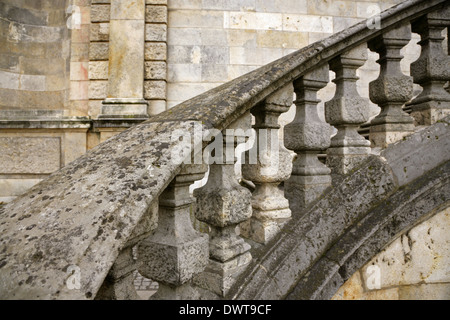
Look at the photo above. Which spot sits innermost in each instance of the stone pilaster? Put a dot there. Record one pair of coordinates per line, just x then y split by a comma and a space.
223, 204
175, 252
347, 111
125, 90
391, 90
432, 69
307, 135
273, 165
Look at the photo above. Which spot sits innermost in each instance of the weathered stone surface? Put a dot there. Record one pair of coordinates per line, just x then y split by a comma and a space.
307, 135
376, 230
94, 243
391, 89
301, 242
175, 251
155, 51
267, 164
20, 155
431, 69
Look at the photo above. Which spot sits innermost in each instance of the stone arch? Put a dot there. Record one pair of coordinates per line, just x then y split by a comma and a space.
407, 208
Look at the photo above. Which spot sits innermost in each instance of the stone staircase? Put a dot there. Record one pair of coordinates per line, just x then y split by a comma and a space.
72, 235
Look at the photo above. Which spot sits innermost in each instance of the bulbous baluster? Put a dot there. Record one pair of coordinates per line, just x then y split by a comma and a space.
268, 164
307, 135
223, 204
175, 252
391, 90
432, 69
347, 111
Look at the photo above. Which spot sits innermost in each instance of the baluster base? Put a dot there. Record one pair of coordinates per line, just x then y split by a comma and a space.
218, 277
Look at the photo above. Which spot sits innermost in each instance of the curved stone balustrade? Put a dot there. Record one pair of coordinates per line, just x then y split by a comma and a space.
71, 236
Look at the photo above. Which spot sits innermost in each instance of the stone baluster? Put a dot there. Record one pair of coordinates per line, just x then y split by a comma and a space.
347, 111
119, 283
307, 135
268, 164
432, 69
223, 204
391, 90
175, 252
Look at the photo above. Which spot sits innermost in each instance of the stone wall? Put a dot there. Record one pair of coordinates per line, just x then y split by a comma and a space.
34, 55
213, 41
414, 266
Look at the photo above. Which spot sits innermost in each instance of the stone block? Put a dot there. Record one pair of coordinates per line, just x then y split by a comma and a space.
41, 99
185, 4
42, 66
214, 37
255, 20
9, 80
195, 19
56, 82
79, 70
277, 39
100, 13
184, 72
418, 256
304, 23
127, 10
241, 38
214, 55
248, 56
282, 6
28, 155
126, 57
185, 54
79, 52
403, 156
8, 98
155, 51
235, 71
98, 70
97, 89
155, 32
184, 91
79, 90
214, 72
341, 23
156, 2
155, 70
155, 89
184, 37
156, 14
98, 51
74, 145
435, 291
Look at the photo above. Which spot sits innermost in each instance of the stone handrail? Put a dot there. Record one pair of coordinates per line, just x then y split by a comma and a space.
70, 236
